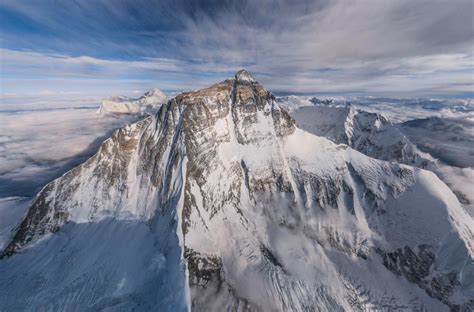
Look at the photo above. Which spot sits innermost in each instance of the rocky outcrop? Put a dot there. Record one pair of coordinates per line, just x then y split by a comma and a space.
418, 265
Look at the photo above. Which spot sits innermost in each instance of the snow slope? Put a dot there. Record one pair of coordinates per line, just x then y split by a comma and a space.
12, 211
450, 140
373, 134
248, 212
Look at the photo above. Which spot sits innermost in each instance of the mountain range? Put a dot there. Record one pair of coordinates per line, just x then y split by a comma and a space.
223, 200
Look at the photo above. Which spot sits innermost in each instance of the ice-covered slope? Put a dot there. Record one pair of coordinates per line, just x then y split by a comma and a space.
451, 140
370, 133
374, 135
12, 211
220, 202
116, 243
152, 100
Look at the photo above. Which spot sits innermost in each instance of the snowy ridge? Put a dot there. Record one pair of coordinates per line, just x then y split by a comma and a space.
442, 140
152, 100
115, 223
246, 212
243, 76
370, 133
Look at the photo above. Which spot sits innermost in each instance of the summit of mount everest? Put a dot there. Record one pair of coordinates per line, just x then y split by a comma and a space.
220, 202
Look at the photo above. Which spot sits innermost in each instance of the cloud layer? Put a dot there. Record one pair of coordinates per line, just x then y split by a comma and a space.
366, 46
37, 146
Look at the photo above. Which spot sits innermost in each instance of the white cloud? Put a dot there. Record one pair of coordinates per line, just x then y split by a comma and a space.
445, 74
369, 46
62, 65
38, 145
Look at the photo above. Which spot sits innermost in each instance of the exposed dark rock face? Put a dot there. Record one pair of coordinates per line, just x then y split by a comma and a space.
418, 266
208, 288
414, 264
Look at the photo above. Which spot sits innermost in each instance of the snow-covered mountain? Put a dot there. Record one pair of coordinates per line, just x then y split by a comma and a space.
152, 100
220, 202
373, 134
369, 133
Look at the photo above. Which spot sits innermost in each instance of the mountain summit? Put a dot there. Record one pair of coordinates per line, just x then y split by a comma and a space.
219, 202
244, 76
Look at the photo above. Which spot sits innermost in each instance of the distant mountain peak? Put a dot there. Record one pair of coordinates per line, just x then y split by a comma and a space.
153, 99
244, 76
154, 91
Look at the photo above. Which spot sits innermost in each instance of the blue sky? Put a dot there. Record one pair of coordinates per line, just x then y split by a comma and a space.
391, 48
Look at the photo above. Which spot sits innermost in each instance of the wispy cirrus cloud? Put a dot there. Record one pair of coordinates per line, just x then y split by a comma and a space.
420, 47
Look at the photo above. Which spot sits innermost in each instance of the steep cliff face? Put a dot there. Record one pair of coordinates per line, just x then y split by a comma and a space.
248, 213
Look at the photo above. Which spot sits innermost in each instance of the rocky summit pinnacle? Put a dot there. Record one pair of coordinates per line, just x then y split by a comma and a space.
244, 76
219, 202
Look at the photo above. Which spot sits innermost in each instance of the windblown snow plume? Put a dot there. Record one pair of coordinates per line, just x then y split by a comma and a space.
220, 202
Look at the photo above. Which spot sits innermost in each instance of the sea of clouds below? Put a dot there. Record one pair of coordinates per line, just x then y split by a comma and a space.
43, 137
